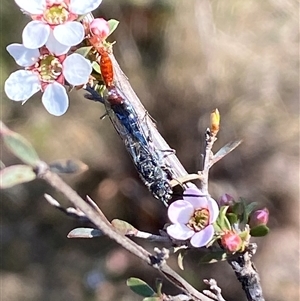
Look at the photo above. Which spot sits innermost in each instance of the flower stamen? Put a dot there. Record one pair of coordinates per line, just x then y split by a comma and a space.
199, 220
56, 14
50, 68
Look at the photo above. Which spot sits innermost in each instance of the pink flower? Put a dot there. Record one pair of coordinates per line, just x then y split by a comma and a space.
231, 241
192, 217
259, 217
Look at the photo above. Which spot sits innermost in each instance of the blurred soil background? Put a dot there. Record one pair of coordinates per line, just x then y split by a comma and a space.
183, 58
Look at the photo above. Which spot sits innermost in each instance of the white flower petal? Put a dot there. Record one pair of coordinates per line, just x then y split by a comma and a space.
83, 7
213, 210
69, 33
34, 7
76, 69
23, 56
21, 85
35, 34
55, 47
201, 238
180, 212
180, 232
55, 99
197, 201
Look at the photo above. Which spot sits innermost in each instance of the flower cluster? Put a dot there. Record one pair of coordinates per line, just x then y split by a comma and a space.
45, 53
197, 218
238, 221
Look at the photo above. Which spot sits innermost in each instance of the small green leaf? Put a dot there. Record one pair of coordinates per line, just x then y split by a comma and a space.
84, 51
237, 209
158, 285
16, 174
222, 220
113, 24
232, 218
19, 146
223, 210
180, 259
68, 166
213, 257
84, 233
245, 209
140, 287
123, 227
249, 208
217, 228
261, 230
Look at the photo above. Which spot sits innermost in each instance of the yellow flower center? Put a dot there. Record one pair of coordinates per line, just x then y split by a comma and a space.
50, 68
56, 14
199, 220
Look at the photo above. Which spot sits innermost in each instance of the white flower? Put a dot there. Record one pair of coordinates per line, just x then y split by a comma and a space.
192, 217
57, 17
46, 72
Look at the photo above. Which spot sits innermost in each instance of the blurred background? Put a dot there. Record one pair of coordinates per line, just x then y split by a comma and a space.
183, 58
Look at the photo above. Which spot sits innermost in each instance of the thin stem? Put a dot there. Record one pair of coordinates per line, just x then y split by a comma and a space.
209, 142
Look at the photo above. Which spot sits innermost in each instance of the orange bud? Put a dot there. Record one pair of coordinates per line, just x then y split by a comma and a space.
215, 121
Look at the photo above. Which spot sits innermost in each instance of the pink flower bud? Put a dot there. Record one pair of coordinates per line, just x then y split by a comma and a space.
231, 241
99, 27
226, 200
259, 217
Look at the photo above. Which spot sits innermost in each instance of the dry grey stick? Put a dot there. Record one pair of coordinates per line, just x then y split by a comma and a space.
247, 274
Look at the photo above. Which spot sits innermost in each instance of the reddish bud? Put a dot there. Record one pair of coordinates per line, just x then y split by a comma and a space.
231, 241
226, 200
99, 27
259, 217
